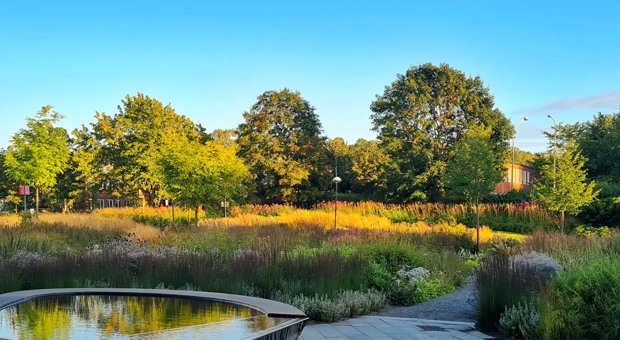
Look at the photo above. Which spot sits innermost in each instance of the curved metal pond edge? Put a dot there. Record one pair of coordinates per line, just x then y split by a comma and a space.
269, 307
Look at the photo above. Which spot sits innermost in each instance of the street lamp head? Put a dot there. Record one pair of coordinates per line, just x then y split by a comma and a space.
525, 119
549, 116
337, 180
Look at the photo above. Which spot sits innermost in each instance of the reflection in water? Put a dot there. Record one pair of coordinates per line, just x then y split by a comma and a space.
96, 316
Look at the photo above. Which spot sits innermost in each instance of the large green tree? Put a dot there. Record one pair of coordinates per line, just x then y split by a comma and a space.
599, 141
195, 174
475, 169
563, 187
38, 153
369, 167
281, 142
421, 116
120, 153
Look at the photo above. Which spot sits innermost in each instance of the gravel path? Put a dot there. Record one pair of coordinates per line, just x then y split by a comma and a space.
459, 305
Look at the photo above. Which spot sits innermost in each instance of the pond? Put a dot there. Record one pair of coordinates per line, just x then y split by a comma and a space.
115, 316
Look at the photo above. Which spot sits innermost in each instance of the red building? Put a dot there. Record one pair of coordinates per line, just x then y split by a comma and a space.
519, 178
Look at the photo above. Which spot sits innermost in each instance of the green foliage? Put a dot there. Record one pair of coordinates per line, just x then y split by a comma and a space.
587, 231
195, 174
599, 140
475, 169
281, 143
121, 152
520, 156
38, 153
420, 117
392, 256
589, 300
564, 188
369, 166
607, 188
432, 288
602, 212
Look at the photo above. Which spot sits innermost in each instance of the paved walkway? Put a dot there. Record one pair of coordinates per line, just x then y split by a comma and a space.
384, 328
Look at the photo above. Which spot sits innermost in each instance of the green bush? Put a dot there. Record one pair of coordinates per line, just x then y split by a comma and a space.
588, 231
608, 189
588, 300
393, 256
431, 288
602, 212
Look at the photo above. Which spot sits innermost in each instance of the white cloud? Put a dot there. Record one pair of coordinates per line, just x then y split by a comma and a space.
609, 100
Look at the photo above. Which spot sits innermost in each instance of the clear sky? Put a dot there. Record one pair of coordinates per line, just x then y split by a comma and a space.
211, 60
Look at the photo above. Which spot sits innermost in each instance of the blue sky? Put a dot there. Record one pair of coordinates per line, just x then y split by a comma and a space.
211, 60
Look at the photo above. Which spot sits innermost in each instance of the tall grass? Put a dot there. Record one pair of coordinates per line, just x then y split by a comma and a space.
267, 252
502, 284
499, 216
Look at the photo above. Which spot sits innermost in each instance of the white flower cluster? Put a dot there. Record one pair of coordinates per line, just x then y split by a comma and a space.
414, 275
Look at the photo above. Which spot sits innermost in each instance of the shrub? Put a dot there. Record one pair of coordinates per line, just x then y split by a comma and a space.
589, 300
588, 231
602, 212
428, 289
544, 265
521, 321
343, 305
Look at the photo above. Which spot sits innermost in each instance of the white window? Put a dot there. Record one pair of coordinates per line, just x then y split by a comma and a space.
101, 204
117, 203
527, 177
110, 203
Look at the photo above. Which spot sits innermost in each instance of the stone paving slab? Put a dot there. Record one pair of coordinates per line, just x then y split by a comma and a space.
391, 328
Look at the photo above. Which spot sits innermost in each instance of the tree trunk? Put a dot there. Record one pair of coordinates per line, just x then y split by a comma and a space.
196, 213
477, 227
562, 221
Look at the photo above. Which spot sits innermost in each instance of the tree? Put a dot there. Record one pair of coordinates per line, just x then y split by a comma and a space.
421, 116
475, 169
521, 157
281, 142
599, 142
339, 158
194, 174
121, 152
38, 153
563, 188
369, 167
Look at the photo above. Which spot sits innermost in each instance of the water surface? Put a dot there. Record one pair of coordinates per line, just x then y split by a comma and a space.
130, 317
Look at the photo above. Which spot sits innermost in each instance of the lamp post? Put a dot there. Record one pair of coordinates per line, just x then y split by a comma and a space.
336, 180
553, 143
512, 171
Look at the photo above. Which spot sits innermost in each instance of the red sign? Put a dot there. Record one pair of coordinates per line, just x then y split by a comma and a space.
24, 190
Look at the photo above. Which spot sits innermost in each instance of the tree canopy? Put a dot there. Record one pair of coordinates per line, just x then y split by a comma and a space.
475, 169
194, 173
563, 187
123, 150
420, 117
281, 142
599, 141
38, 153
